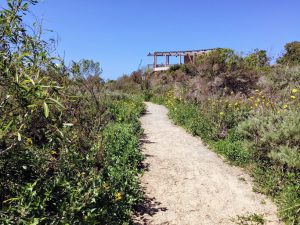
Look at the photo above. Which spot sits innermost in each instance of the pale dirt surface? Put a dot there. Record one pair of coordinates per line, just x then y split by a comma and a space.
187, 184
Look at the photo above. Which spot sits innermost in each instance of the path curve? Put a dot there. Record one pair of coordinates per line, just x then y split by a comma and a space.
189, 184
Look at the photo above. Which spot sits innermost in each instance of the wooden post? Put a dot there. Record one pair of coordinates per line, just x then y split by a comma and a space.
166, 60
155, 61
180, 60
190, 58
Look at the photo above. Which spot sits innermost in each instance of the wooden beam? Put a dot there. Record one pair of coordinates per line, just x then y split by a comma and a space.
178, 53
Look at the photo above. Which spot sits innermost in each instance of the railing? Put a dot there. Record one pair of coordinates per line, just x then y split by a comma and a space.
151, 66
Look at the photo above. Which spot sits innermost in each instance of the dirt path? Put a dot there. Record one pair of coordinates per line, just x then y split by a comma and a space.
187, 184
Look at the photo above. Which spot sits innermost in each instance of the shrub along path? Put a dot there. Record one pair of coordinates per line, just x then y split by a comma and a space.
191, 184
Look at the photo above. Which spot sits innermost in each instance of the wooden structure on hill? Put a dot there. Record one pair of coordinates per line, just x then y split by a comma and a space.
187, 56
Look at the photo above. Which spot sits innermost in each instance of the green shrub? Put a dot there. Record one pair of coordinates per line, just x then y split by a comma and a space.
175, 67
289, 201
158, 99
79, 191
275, 136
147, 94
257, 59
126, 110
189, 116
122, 161
291, 55
69, 151
234, 150
283, 186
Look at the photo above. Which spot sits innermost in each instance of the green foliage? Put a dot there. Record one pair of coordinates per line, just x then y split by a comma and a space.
189, 69
253, 219
234, 150
81, 190
122, 161
291, 55
282, 78
283, 186
69, 152
193, 120
30, 99
158, 99
86, 68
289, 201
127, 110
217, 61
258, 58
175, 67
148, 94
275, 135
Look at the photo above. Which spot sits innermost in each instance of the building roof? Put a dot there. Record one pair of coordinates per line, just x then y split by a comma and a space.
182, 53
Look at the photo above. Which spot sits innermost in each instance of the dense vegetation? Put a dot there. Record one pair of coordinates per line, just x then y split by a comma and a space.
69, 142
69, 145
244, 108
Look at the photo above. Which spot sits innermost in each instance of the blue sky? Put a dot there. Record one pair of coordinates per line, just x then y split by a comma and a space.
119, 33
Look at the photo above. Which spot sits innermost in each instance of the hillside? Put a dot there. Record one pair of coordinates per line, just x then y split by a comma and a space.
215, 140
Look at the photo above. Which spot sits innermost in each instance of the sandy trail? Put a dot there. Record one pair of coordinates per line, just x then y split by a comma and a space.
188, 184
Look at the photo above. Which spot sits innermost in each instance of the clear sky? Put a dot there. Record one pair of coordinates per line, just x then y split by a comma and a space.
120, 33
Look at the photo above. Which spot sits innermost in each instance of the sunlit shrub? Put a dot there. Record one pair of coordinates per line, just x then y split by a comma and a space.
234, 151
275, 136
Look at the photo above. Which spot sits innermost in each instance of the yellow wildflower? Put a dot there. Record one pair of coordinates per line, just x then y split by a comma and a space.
221, 113
105, 186
293, 97
29, 141
285, 106
294, 90
118, 196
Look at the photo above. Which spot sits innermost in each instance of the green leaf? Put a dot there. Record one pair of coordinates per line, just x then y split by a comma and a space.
25, 6
68, 124
7, 126
19, 136
46, 110
31, 106
11, 200
57, 102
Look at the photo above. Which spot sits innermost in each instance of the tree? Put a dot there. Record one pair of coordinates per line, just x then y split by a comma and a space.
291, 55
85, 68
258, 58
